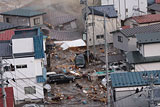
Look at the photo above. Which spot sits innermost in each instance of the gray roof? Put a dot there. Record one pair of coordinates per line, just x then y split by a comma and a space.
148, 38
109, 11
65, 35
23, 12
6, 49
135, 57
6, 26
155, 7
113, 58
138, 30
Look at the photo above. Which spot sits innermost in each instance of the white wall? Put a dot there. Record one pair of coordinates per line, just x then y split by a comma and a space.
152, 49
111, 25
122, 5
147, 66
22, 45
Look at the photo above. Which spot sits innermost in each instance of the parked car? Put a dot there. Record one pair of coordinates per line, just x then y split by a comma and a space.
80, 61
60, 78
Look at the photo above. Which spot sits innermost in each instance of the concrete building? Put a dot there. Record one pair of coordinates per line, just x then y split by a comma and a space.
23, 17
127, 8
25, 71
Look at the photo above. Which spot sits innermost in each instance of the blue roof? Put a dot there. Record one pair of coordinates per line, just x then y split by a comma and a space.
131, 79
109, 10
23, 12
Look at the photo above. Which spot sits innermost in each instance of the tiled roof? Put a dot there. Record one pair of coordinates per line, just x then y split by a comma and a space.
138, 30
5, 49
132, 79
23, 12
150, 18
6, 26
148, 37
65, 35
135, 57
6, 35
109, 11
155, 7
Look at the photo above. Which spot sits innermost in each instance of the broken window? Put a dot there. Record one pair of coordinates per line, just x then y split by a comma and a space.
30, 90
36, 21
100, 37
120, 39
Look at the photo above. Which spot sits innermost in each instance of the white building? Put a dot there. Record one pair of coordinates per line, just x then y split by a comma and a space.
127, 8
26, 54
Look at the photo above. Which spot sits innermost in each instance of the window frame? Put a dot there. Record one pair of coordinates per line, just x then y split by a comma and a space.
30, 90
36, 21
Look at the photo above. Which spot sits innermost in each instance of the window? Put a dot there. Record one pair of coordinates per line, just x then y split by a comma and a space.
120, 39
9, 68
8, 20
100, 37
21, 66
30, 90
36, 21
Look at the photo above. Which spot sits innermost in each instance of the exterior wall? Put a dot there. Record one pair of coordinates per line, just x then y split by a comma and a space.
120, 45
32, 20
148, 24
23, 45
25, 77
111, 25
125, 8
151, 49
16, 20
132, 44
147, 66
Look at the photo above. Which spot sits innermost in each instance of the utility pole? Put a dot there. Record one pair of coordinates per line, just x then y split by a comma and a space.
106, 54
93, 24
2, 83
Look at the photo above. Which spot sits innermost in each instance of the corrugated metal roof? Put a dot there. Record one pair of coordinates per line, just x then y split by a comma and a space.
65, 35
109, 11
138, 30
149, 18
148, 37
132, 79
6, 35
23, 12
113, 58
6, 26
5, 49
135, 57
155, 7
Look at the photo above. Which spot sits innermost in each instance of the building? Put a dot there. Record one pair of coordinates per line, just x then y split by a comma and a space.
147, 56
112, 24
154, 8
23, 17
126, 8
25, 56
125, 39
130, 89
143, 20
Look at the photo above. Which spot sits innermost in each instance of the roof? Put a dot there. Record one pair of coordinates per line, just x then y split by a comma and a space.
109, 11
25, 33
22, 12
148, 38
135, 57
155, 7
113, 58
65, 35
6, 26
138, 30
6, 49
150, 18
132, 79
6, 35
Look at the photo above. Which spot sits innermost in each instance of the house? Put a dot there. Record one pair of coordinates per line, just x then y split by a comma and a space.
111, 24
130, 89
60, 21
154, 8
126, 8
23, 17
125, 39
7, 26
147, 56
143, 20
25, 71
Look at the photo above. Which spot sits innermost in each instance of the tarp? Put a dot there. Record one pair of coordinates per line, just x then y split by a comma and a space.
75, 43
